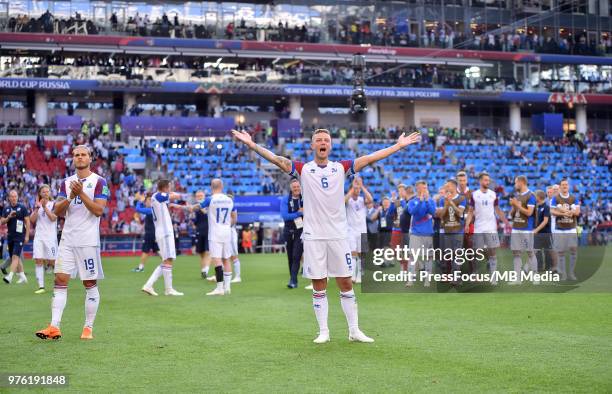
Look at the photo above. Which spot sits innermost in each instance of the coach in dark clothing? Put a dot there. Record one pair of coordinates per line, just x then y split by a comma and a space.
543, 236
372, 224
386, 216
292, 213
406, 193
17, 218
404, 222
200, 222
149, 245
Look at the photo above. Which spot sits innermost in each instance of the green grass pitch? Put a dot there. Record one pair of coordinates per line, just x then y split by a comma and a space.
259, 339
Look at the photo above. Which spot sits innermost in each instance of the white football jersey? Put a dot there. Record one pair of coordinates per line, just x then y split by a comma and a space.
46, 230
356, 215
323, 196
220, 208
552, 217
484, 204
82, 228
161, 215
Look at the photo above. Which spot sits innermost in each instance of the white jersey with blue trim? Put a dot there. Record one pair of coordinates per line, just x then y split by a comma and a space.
219, 207
82, 228
323, 196
161, 215
46, 230
484, 204
356, 215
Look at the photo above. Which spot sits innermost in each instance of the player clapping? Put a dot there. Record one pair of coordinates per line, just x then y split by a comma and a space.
357, 225
422, 208
521, 239
81, 199
45, 237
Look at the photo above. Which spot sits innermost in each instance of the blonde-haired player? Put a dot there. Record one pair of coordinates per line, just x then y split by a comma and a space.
326, 249
164, 236
81, 199
45, 237
221, 216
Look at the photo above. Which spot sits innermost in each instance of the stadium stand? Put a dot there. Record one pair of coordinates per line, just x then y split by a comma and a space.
105, 67
389, 33
193, 163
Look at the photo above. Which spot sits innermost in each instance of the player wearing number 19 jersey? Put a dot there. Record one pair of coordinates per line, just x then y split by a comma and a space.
82, 199
326, 248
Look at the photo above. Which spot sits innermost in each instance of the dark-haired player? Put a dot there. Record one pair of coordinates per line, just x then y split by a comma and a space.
483, 208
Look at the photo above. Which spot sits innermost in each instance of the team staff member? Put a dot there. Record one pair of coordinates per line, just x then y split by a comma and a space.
422, 209
372, 225
17, 217
385, 215
292, 212
450, 211
3, 234
542, 233
201, 236
149, 245
405, 218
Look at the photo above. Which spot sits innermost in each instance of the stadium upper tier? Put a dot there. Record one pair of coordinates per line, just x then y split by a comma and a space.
283, 50
203, 70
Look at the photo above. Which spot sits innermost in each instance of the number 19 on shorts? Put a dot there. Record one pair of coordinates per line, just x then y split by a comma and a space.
89, 265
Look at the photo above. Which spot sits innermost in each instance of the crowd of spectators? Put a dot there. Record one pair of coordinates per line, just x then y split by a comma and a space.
128, 187
445, 36
132, 67
107, 162
356, 32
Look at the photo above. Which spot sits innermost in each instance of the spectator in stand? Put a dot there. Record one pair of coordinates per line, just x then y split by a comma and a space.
442, 35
